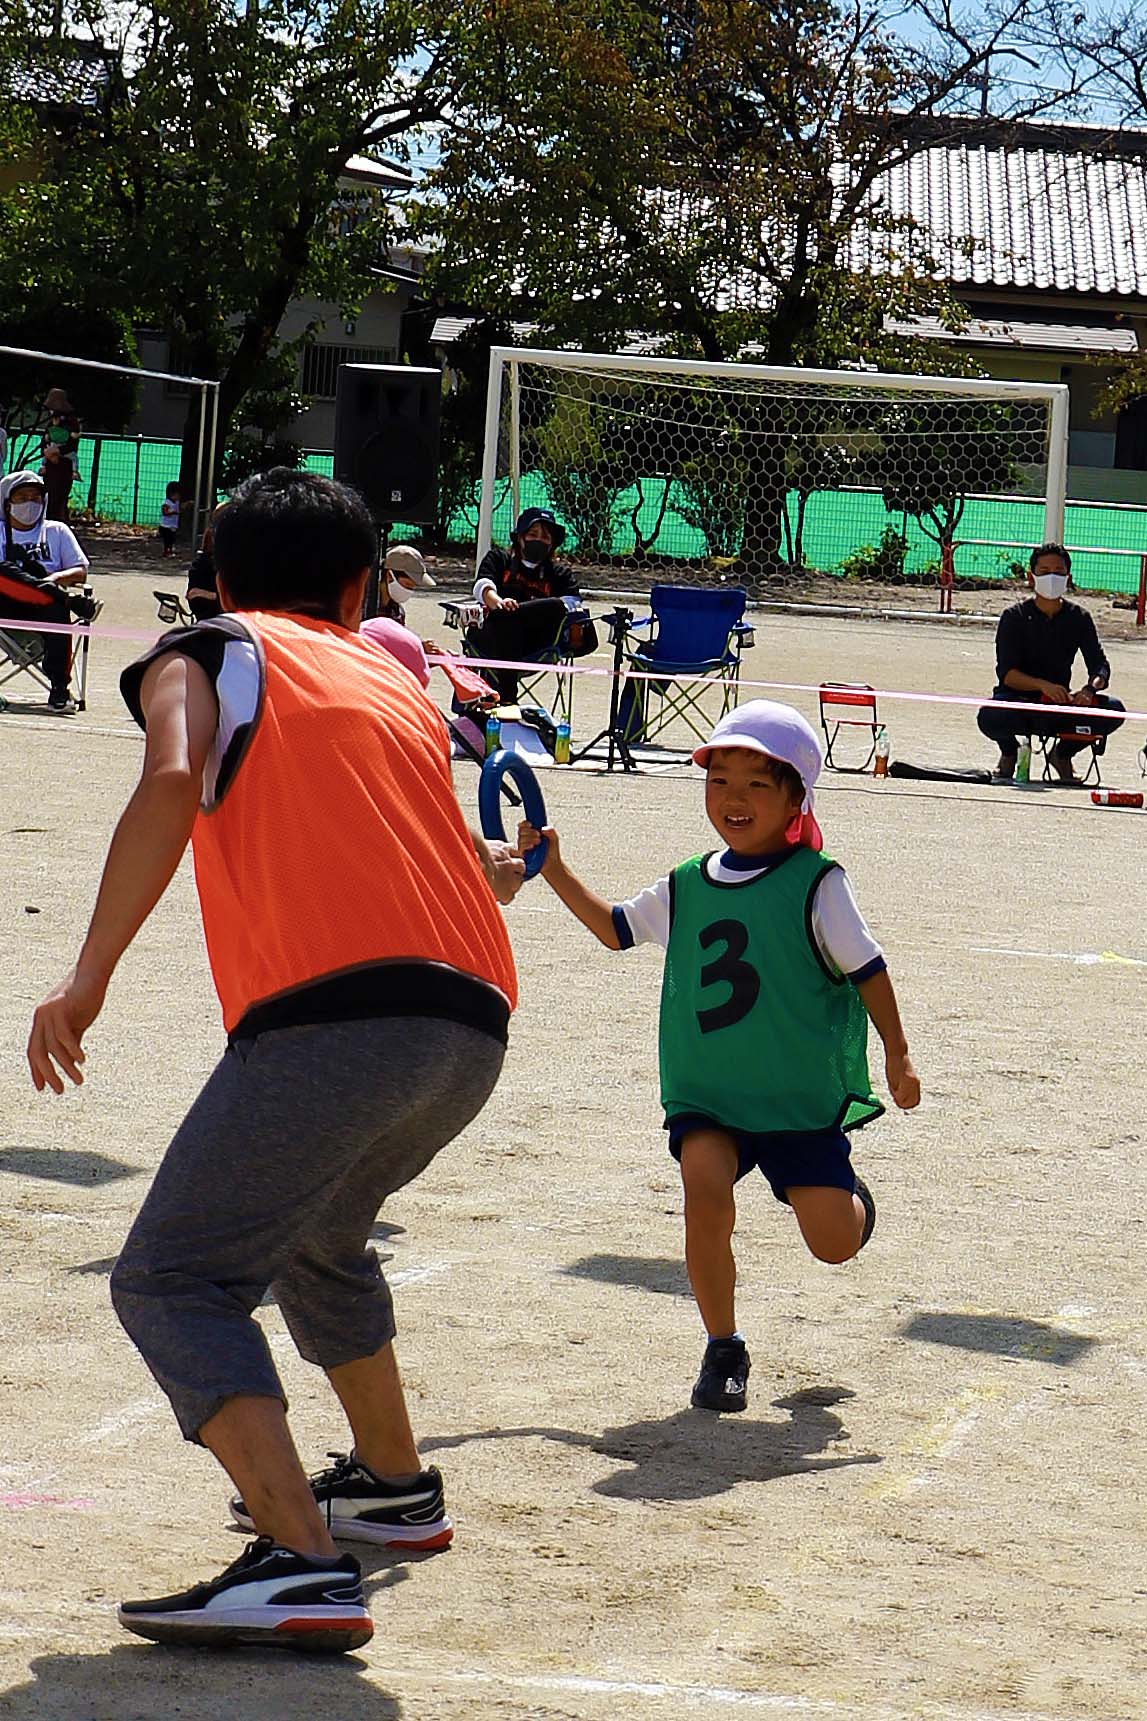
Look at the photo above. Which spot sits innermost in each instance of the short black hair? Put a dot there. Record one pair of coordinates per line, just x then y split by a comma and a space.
290, 540
1049, 550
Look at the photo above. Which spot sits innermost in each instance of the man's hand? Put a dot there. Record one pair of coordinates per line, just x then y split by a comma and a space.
58, 1028
1054, 694
1085, 696
504, 868
903, 1082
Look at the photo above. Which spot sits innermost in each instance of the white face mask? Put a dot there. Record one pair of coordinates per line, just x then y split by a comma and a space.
26, 514
396, 593
1050, 585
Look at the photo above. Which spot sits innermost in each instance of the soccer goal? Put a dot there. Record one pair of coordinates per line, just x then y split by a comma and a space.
697, 472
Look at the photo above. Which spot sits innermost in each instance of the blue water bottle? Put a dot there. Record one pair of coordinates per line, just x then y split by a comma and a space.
493, 733
562, 744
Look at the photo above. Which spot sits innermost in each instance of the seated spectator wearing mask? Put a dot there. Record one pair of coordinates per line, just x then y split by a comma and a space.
403, 572
521, 590
1037, 642
40, 560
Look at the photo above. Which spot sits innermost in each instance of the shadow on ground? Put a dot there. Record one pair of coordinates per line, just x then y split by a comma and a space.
663, 1274
1001, 1335
129, 1682
693, 1454
61, 1165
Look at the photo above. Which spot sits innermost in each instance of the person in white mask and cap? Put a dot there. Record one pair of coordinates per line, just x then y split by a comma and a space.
403, 572
1037, 643
769, 973
39, 560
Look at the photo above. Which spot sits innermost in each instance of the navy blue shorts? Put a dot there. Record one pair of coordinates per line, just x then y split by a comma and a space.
819, 1159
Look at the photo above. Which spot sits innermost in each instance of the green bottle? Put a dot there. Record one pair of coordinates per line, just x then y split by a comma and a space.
1024, 763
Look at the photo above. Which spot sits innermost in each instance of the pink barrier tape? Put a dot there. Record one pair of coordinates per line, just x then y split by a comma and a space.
78, 627
1079, 712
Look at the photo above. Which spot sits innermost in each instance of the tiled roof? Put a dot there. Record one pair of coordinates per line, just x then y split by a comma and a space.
1043, 218
1032, 333
78, 78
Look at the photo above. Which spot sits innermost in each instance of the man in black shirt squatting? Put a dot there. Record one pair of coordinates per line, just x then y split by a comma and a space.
1037, 642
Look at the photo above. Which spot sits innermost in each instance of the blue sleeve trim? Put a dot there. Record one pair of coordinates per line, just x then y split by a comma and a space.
621, 927
876, 966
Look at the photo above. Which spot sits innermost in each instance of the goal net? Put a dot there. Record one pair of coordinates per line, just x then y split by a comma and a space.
699, 472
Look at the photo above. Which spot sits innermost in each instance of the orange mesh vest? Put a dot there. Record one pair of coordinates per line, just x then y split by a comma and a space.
338, 841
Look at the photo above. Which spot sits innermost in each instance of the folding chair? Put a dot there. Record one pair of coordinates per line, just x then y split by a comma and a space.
1045, 745
848, 705
693, 631
21, 651
172, 607
465, 616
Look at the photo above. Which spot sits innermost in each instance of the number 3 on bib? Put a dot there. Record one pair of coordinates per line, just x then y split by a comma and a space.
728, 969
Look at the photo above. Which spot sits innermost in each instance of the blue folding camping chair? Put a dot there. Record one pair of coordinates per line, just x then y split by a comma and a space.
691, 631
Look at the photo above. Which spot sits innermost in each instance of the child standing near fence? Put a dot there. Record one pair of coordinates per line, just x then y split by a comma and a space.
769, 972
169, 515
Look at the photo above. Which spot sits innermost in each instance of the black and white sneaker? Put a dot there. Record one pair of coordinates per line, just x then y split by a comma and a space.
269, 1596
361, 1507
723, 1383
868, 1202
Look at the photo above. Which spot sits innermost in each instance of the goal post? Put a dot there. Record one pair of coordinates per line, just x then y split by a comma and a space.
208, 429
701, 471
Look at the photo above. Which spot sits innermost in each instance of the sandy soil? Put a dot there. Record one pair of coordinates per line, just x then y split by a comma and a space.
933, 1506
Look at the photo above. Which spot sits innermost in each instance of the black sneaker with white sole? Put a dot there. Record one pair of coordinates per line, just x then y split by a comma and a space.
723, 1383
270, 1596
361, 1507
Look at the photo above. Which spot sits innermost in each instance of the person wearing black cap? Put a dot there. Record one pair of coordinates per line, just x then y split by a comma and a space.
522, 590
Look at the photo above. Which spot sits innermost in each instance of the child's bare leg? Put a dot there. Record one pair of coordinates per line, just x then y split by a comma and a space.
708, 1172
831, 1220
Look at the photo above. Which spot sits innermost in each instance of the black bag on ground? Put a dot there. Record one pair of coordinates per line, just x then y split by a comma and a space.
939, 773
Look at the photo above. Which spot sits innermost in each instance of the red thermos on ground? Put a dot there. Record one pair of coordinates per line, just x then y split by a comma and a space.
1117, 797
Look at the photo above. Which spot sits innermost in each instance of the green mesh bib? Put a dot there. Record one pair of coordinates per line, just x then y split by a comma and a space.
756, 1033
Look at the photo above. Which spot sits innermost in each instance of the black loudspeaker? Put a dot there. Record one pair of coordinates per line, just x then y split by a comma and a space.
386, 439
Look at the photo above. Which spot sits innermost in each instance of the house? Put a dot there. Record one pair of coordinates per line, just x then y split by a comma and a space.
1041, 232
374, 337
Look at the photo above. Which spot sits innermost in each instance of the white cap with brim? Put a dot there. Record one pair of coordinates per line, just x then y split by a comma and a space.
404, 559
16, 481
764, 726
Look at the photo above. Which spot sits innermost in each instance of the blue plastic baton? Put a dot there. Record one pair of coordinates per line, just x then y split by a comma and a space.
505, 763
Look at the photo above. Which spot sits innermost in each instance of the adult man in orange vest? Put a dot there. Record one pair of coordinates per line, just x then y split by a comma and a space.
366, 982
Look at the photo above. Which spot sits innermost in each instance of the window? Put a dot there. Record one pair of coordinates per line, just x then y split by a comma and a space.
321, 363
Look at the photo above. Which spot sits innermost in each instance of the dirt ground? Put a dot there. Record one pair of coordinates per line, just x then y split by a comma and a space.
933, 1507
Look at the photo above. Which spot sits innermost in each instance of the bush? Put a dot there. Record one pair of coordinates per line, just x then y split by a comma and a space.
879, 563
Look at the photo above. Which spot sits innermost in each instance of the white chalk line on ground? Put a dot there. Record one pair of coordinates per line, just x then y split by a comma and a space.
1083, 959
729, 1697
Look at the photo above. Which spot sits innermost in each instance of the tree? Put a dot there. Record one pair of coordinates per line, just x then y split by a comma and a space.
725, 198
203, 193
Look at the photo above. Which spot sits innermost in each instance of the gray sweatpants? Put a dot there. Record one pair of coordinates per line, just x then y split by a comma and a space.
273, 1182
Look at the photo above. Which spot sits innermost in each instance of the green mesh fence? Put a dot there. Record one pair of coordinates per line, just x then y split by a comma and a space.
843, 526
836, 527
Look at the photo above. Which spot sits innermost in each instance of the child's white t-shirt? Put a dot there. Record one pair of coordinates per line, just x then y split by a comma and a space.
169, 515
840, 930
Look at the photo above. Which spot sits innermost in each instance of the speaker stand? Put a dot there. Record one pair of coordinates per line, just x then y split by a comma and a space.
619, 620
372, 597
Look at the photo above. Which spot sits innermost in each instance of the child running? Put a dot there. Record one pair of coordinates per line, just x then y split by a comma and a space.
769, 970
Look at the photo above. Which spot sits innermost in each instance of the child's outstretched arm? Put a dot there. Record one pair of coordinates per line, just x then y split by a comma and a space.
879, 1000
592, 910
